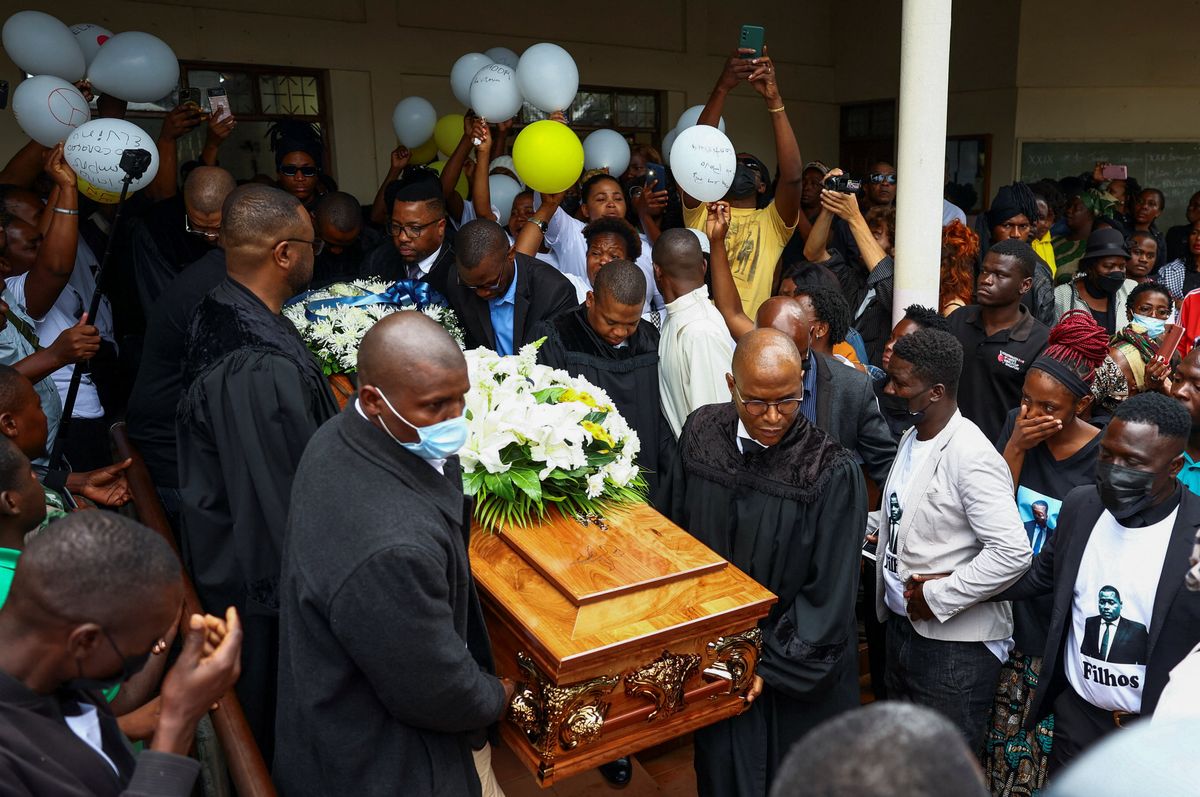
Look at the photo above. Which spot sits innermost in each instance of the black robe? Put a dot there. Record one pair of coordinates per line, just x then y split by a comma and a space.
790, 516
253, 397
628, 374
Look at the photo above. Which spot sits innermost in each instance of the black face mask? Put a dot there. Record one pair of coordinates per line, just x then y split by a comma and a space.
1124, 491
130, 666
894, 406
919, 415
1110, 283
745, 182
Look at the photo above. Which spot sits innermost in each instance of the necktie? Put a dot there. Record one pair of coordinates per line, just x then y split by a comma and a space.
1039, 535
750, 445
414, 272
1104, 641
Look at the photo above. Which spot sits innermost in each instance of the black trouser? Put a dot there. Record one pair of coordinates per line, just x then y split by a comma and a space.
1078, 725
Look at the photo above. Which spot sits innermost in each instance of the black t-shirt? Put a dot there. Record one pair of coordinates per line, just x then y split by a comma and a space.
1047, 480
994, 366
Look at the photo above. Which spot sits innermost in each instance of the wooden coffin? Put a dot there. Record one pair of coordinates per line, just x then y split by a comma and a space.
622, 632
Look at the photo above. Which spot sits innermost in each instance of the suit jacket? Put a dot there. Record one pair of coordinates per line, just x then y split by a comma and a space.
383, 262
1174, 628
959, 518
1127, 645
857, 424
542, 293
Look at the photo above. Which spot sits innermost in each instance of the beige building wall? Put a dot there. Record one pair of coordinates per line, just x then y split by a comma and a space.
379, 51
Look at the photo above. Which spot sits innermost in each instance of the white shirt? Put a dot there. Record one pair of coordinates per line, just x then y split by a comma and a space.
743, 435
695, 352
87, 727
1129, 561
63, 315
908, 462
426, 265
564, 237
437, 464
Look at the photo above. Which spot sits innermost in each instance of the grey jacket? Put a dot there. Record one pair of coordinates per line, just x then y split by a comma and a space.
848, 411
959, 518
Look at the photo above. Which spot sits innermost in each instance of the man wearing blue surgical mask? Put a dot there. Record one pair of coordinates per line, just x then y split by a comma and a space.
376, 592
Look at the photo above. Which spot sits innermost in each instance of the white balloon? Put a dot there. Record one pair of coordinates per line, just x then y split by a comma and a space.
548, 77
41, 45
135, 67
503, 190
90, 37
502, 55
494, 93
49, 108
505, 162
94, 151
606, 148
668, 141
703, 162
413, 120
692, 115
461, 74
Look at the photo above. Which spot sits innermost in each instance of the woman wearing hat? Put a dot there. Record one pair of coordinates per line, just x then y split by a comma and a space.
1101, 286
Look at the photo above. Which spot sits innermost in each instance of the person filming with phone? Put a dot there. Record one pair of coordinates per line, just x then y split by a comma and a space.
756, 236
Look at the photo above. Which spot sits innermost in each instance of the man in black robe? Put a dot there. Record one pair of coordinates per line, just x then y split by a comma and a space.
253, 396
94, 594
602, 341
385, 676
777, 497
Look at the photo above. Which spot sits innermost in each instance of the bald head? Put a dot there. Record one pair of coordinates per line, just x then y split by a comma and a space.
405, 349
206, 190
256, 216
788, 316
677, 253
761, 350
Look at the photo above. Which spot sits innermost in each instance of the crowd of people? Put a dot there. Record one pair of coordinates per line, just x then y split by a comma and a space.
999, 494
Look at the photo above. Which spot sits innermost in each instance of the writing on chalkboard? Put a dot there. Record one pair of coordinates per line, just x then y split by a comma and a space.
1173, 167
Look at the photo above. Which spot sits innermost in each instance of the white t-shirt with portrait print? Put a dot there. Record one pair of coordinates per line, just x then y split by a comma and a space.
1121, 567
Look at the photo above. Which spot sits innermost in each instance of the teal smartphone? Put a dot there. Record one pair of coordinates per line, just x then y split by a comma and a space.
752, 37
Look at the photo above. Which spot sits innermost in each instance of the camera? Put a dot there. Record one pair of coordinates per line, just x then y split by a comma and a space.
134, 162
843, 183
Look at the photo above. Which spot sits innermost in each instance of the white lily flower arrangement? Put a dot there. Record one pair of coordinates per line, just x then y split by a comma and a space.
539, 437
334, 333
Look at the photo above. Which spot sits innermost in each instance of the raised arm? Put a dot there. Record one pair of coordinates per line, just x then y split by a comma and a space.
481, 192
845, 207
56, 256
737, 68
454, 166
219, 129
530, 238
1027, 433
379, 209
814, 245
500, 140
787, 150
649, 203
177, 124
725, 292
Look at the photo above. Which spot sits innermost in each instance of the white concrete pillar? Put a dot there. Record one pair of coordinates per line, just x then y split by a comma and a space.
921, 160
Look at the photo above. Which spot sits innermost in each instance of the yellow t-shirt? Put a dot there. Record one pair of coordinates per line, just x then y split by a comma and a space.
755, 241
1045, 250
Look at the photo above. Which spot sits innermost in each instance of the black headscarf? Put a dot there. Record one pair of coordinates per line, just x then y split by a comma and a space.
1012, 200
290, 135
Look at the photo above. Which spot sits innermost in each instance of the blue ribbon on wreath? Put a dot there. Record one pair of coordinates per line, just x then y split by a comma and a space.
402, 293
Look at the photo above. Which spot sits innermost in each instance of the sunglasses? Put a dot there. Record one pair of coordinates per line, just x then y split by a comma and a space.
289, 170
877, 178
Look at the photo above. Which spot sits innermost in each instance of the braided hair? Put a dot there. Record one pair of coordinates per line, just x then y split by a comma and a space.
1077, 347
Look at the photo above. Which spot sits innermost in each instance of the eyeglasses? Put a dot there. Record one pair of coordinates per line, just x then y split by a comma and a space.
289, 170
756, 408
208, 234
317, 244
877, 178
394, 228
495, 286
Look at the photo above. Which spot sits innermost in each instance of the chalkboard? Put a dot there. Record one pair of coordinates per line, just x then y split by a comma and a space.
1172, 167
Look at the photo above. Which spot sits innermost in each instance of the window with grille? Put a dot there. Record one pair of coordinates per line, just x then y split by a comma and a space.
258, 96
633, 113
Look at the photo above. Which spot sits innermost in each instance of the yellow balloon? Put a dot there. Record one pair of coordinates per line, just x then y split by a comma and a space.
461, 186
447, 132
424, 154
548, 156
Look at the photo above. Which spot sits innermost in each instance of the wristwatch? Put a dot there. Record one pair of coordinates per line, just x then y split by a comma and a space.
541, 225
